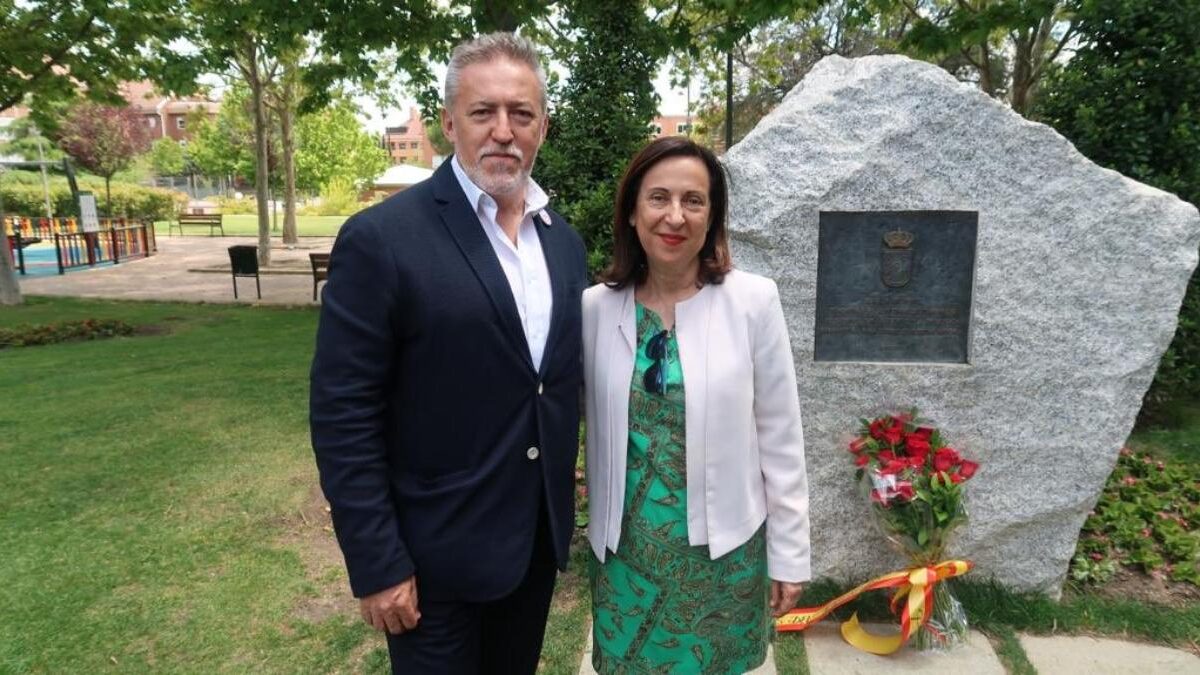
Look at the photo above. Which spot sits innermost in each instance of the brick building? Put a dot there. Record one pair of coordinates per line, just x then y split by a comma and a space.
408, 143
671, 125
166, 117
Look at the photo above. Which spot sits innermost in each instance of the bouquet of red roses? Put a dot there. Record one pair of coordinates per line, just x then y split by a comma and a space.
914, 483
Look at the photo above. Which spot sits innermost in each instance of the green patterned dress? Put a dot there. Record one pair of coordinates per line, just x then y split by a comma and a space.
659, 604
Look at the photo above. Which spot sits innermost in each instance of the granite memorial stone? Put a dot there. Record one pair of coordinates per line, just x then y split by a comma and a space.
1040, 365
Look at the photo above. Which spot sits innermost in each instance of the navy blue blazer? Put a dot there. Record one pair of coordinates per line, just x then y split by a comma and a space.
434, 435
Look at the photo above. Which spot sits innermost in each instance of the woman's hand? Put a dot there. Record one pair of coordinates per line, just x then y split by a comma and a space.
784, 595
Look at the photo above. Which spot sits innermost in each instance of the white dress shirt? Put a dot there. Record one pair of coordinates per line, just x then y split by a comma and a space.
523, 263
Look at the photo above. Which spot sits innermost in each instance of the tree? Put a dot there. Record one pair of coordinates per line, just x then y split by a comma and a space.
774, 57
333, 145
26, 141
1005, 46
614, 54
224, 145
283, 99
1129, 99
54, 51
104, 140
167, 157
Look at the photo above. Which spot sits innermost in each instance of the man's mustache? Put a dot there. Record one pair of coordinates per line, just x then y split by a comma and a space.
510, 149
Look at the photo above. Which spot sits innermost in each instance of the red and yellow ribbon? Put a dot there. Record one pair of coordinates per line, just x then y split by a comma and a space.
913, 585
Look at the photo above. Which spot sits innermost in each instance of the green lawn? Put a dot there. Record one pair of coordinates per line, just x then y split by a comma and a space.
159, 511
247, 225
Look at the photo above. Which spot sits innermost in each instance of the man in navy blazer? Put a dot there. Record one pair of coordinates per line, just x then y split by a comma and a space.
444, 403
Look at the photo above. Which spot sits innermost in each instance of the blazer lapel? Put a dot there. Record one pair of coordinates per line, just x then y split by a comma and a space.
559, 268
463, 225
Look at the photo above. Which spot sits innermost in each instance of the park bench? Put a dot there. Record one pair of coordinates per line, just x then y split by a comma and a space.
320, 269
210, 220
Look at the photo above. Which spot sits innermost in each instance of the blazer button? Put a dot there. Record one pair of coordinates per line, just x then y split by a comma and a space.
532, 453
540, 388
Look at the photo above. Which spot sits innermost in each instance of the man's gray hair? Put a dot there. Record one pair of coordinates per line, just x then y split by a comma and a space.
487, 48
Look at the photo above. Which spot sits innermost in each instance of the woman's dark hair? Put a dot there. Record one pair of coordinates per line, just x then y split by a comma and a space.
629, 259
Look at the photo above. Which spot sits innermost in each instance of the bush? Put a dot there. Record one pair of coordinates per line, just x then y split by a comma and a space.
47, 334
231, 206
1147, 518
136, 201
338, 198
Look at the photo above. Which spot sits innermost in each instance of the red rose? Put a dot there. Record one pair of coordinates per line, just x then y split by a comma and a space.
877, 428
945, 458
893, 467
924, 433
904, 490
887, 456
916, 443
956, 479
858, 444
968, 468
894, 433
917, 462
861, 460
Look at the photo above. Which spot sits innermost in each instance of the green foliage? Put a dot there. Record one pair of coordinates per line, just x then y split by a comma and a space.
224, 145
54, 51
603, 114
1147, 518
338, 198
21, 195
24, 139
1129, 99
63, 331
167, 157
332, 145
237, 206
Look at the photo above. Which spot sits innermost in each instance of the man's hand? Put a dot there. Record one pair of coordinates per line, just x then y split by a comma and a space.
393, 609
784, 595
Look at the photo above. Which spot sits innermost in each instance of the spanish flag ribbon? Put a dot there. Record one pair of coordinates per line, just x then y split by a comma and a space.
913, 586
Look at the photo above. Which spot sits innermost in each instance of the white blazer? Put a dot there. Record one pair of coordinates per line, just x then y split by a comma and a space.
745, 447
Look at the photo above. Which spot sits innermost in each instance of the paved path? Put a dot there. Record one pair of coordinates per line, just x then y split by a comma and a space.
191, 269
828, 654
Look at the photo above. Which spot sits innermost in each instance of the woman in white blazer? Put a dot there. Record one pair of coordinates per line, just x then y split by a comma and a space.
698, 497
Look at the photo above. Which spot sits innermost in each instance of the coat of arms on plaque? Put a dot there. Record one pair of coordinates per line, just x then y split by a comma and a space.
897, 258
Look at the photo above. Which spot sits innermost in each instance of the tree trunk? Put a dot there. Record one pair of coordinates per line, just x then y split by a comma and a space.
289, 174
262, 157
10, 290
108, 196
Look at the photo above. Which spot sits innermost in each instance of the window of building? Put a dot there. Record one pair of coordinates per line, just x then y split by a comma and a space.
414, 145
152, 122
180, 122
656, 129
683, 128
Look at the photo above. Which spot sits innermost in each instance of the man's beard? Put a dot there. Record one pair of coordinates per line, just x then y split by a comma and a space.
499, 183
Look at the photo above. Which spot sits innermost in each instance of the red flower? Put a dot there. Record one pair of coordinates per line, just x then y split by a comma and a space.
858, 444
916, 444
877, 428
893, 467
924, 433
968, 468
904, 490
861, 460
887, 456
894, 433
945, 458
956, 479
917, 462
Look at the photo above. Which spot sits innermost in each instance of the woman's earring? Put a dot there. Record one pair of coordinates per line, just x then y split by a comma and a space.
631, 224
